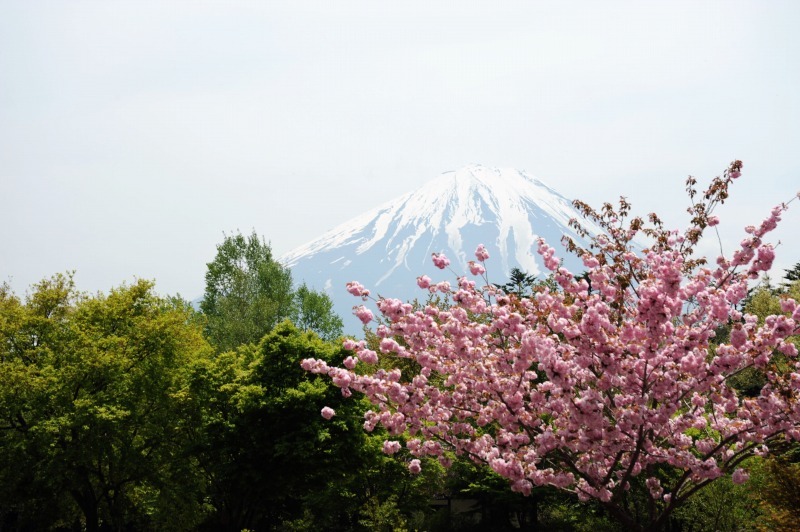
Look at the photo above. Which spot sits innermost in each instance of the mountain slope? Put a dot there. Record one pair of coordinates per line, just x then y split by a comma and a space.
388, 247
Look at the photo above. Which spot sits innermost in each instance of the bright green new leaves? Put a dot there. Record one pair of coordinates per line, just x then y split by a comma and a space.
93, 407
313, 311
248, 292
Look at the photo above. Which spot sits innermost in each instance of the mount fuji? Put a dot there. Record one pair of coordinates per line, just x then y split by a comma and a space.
386, 248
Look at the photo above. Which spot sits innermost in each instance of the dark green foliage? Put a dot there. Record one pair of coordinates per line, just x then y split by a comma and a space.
723, 506
520, 283
792, 275
780, 493
116, 413
495, 506
274, 460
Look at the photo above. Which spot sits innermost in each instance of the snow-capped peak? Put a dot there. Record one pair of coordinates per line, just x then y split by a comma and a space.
388, 247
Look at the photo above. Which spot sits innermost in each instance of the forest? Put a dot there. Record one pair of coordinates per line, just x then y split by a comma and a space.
130, 410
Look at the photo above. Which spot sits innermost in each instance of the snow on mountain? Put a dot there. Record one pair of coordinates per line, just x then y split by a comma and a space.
388, 247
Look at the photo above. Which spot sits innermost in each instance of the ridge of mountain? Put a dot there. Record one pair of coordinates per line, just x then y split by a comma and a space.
386, 248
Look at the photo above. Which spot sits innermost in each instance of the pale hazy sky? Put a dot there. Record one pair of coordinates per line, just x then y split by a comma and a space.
132, 134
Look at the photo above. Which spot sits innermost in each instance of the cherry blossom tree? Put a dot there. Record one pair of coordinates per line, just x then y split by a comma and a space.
614, 389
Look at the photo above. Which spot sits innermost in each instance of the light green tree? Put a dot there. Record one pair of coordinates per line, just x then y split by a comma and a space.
313, 311
248, 293
93, 408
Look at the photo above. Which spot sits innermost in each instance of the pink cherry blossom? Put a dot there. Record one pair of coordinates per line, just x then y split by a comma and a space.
475, 268
391, 447
363, 314
328, 412
357, 289
740, 476
593, 385
481, 254
440, 260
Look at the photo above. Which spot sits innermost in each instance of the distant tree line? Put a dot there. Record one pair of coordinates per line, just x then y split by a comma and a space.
134, 411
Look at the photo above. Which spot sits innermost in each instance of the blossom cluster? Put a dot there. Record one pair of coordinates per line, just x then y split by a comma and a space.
591, 381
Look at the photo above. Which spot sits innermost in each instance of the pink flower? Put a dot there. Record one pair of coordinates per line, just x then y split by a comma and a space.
363, 313
368, 356
328, 412
443, 286
475, 268
349, 344
391, 447
585, 375
766, 254
590, 261
738, 337
740, 476
357, 289
788, 305
481, 254
440, 261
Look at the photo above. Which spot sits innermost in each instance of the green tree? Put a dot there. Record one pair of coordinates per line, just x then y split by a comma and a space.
792, 276
247, 292
763, 301
93, 409
519, 283
780, 495
313, 311
722, 506
273, 460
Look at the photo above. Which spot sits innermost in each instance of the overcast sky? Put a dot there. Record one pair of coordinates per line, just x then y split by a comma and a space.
133, 134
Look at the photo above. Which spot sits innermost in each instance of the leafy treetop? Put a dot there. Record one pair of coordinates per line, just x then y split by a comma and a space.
617, 393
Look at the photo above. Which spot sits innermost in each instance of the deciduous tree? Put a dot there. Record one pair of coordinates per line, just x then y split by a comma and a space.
616, 394
313, 311
272, 459
247, 292
92, 408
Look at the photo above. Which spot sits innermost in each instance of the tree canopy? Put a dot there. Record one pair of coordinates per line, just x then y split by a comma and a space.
91, 407
248, 293
617, 394
651, 387
116, 413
